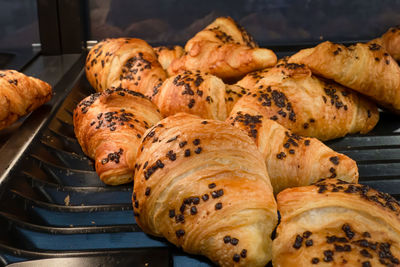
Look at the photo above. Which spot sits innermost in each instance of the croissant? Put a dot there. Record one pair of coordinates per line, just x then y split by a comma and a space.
124, 62
368, 69
308, 105
203, 185
291, 160
391, 42
166, 55
109, 127
20, 95
196, 93
333, 223
224, 49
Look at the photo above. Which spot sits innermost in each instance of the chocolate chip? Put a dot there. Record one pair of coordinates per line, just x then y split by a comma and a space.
365, 253
334, 160
180, 233
347, 230
236, 258
193, 210
147, 192
315, 261
171, 213
298, 242
187, 153
227, 239
307, 234
328, 255
234, 241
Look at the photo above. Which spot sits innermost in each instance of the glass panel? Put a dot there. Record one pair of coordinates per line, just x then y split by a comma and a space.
18, 30
269, 21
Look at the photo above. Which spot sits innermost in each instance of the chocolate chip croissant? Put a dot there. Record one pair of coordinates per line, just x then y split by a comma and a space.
203, 185
109, 127
291, 160
308, 105
20, 95
334, 223
390, 40
196, 93
365, 68
128, 63
224, 49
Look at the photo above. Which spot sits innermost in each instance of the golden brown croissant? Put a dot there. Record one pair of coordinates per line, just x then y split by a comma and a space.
333, 223
128, 63
308, 105
291, 160
166, 55
224, 49
391, 42
20, 95
196, 93
109, 127
368, 69
203, 185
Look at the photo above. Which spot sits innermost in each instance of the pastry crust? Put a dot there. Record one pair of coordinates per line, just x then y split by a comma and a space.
203, 185
251, 79
128, 63
166, 55
366, 68
291, 160
333, 223
308, 105
224, 49
20, 95
109, 127
391, 42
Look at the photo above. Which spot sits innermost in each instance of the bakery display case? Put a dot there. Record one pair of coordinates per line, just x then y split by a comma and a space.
54, 209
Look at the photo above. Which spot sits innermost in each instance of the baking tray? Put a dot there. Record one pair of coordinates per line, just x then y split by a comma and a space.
53, 205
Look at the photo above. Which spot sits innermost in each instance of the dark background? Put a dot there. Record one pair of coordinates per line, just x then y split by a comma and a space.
18, 24
271, 22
